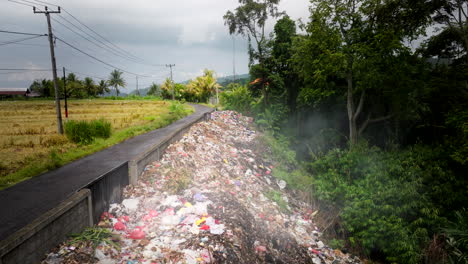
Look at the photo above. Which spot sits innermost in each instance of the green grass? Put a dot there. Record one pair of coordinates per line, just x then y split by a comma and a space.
45, 159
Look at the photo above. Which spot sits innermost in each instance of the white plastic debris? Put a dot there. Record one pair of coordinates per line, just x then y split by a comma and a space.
131, 204
281, 184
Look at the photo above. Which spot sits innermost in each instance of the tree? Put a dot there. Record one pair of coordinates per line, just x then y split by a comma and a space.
249, 20
166, 88
345, 41
454, 14
154, 90
89, 86
116, 80
285, 32
74, 86
103, 87
204, 86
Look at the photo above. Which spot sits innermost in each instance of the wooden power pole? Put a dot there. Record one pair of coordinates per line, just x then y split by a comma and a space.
54, 65
172, 81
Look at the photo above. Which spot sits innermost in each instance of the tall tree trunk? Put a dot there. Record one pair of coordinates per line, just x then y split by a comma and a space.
350, 106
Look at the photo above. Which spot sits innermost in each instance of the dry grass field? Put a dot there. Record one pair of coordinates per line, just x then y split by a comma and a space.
30, 144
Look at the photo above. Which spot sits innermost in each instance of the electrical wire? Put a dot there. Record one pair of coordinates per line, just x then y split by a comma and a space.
84, 74
21, 33
13, 1
93, 42
99, 60
25, 69
120, 50
18, 40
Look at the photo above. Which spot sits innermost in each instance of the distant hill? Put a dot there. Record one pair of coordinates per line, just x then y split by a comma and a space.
112, 93
241, 78
231, 77
143, 91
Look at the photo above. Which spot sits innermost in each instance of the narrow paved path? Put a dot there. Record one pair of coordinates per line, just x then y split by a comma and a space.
24, 202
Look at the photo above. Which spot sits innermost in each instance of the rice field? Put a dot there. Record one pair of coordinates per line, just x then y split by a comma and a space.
29, 138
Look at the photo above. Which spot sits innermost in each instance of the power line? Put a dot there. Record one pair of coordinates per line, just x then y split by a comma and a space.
25, 69
93, 57
84, 74
21, 33
18, 40
13, 1
27, 44
93, 42
45, 3
128, 53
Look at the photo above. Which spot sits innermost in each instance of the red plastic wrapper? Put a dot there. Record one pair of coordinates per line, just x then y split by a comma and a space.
137, 234
119, 226
153, 213
124, 219
205, 227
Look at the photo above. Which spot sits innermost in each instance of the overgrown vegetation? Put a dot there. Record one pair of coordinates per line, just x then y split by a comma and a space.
84, 132
370, 130
96, 236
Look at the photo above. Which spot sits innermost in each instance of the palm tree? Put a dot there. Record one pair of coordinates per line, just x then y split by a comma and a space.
89, 86
116, 80
154, 90
204, 86
103, 87
166, 88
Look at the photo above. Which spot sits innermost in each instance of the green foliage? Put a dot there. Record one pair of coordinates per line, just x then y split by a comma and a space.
116, 80
271, 118
178, 109
238, 98
456, 233
386, 197
154, 90
277, 197
96, 236
84, 132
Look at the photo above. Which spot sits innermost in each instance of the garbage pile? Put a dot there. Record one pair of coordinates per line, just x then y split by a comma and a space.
210, 199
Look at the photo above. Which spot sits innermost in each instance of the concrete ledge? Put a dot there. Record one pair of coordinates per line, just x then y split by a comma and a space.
29, 244
108, 189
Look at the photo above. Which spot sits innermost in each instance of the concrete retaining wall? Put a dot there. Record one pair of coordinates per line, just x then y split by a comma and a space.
29, 244
108, 189
82, 209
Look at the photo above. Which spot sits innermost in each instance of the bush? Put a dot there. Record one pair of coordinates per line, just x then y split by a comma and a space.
178, 109
239, 99
386, 204
84, 132
456, 233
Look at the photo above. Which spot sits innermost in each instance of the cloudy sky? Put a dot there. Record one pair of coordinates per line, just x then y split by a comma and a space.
188, 33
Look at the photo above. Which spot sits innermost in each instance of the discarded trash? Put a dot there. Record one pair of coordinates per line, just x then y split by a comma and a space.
205, 201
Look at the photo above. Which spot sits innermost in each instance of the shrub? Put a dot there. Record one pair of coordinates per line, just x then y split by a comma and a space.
84, 132
178, 109
456, 233
386, 205
239, 99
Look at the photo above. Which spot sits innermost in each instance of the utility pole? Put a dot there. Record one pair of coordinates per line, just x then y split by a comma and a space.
54, 65
137, 91
172, 82
234, 57
65, 92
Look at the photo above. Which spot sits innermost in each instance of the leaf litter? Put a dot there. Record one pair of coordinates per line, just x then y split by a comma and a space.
207, 201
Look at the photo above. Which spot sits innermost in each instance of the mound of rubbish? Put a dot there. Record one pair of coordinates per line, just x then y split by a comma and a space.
212, 198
